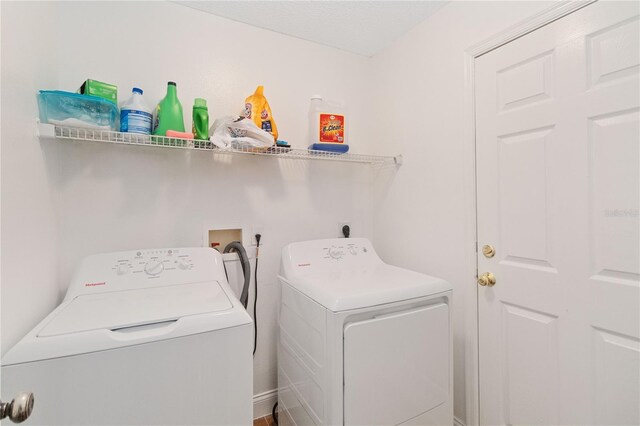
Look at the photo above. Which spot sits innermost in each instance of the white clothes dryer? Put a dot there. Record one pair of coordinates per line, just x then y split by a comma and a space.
142, 338
361, 342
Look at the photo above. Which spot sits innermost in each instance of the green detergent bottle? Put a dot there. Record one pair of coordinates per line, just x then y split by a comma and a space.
168, 113
200, 126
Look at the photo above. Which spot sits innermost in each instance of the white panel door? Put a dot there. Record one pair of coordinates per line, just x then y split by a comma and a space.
557, 135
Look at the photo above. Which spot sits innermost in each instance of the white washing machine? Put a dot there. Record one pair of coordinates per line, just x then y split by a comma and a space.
361, 342
142, 337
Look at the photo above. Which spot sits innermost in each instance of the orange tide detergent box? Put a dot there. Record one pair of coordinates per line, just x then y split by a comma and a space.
256, 108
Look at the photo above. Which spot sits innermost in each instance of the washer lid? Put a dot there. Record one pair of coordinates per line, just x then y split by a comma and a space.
121, 309
341, 290
117, 319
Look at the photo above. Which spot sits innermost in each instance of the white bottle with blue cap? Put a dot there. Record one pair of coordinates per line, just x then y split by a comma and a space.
135, 115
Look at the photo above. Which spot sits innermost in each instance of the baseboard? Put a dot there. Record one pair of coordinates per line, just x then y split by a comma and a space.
264, 402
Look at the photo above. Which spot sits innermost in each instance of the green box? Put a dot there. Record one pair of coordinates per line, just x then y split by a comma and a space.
97, 88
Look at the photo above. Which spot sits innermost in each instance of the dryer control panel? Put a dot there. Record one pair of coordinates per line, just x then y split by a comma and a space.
308, 257
342, 251
146, 268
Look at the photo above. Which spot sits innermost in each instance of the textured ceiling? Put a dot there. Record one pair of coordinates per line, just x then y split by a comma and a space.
362, 27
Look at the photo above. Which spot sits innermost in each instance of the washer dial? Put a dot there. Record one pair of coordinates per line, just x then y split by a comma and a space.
154, 267
184, 263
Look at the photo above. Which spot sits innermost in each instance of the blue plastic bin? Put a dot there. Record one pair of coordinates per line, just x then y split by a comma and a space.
75, 110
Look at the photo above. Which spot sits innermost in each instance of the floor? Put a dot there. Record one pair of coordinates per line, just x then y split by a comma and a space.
264, 421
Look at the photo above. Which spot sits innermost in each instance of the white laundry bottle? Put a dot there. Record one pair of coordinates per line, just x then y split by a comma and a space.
135, 115
327, 126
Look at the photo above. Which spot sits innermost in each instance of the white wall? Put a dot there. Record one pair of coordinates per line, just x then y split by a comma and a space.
29, 243
117, 198
421, 213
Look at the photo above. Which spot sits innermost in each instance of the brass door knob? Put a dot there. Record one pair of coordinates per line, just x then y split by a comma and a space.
488, 251
487, 279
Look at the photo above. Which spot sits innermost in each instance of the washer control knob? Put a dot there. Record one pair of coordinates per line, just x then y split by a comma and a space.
122, 269
154, 267
183, 264
353, 250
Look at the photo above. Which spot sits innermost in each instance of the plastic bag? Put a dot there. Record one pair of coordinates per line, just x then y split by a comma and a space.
256, 108
239, 133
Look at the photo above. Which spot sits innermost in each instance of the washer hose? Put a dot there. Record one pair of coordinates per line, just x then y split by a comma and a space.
236, 246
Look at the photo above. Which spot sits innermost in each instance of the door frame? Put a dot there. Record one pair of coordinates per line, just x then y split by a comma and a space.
547, 16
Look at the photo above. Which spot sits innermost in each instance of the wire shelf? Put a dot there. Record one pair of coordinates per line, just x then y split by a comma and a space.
108, 136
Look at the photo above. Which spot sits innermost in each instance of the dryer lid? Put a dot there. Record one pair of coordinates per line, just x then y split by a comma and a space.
347, 273
361, 288
121, 309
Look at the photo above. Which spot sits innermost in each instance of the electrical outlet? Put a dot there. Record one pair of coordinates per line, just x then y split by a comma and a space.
341, 225
257, 229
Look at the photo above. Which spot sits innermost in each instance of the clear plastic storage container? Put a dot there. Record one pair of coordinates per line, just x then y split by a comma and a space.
75, 110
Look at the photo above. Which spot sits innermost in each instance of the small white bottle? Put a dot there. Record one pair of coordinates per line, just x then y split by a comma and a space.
327, 125
135, 115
